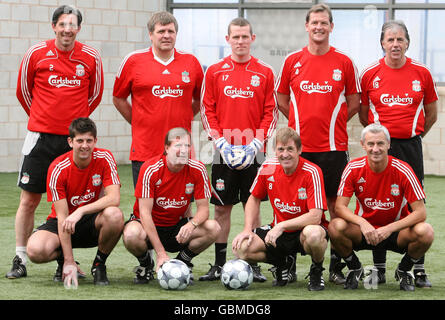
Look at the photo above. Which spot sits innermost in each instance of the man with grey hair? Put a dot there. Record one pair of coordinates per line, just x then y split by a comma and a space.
383, 187
165, 89
59, 80
399, 93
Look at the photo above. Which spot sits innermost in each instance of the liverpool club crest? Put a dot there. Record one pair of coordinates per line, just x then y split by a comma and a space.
189, 187
416, 86
255, 81
395, 191
186, 77
96, 180
302, 195
80, 70
220, 185
336, 75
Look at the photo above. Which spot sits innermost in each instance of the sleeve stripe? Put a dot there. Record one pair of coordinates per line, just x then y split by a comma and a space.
55, 175
352, 165
203, 170
121, 67
26, 93
205, 122
98, 83
109, 158
411, 178
318, 191
147, 176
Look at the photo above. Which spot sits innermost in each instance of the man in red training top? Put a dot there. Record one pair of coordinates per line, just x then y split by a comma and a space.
59, 80
383, 186
84, 188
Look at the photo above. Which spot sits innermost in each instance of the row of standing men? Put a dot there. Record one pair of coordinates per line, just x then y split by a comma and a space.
318, 89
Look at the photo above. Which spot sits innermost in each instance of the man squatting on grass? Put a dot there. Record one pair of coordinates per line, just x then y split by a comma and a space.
295, 189
383, 186
84, 188
164, 191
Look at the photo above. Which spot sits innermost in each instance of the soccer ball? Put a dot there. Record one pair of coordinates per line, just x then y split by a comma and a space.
240, 159
174, 275
236, 274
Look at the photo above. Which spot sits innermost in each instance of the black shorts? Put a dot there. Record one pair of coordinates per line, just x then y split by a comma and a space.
85, 236
288, 243
332, 164
410, 151
136, 167
37, 156
167, 235
389, 243
232, 186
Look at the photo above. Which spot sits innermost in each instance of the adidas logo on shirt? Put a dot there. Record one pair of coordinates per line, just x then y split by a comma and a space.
166, 71
49, 54
271, 179
159, 182
225, 66
361, 180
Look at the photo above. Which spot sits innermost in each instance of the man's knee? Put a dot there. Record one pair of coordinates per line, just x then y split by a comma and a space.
29, 201
336, 226
133, 234
424, 232
113, 216
212, 228
314, 235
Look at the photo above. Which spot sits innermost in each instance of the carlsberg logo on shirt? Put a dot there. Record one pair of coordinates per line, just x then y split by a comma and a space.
315, 87
378, 204
285, 207
171, 203
163, 92
391, 100
78, 200
57, 81
238, 93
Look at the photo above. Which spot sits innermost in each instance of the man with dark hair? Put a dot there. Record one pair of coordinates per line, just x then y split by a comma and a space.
318, 91
84, 188
59, 80
239, 112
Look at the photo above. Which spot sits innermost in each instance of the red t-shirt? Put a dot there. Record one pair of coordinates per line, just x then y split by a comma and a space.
161, 97
318, 86
80, 186
291, 195
171, 191
238, 101
382, 198
55, 87
396, 96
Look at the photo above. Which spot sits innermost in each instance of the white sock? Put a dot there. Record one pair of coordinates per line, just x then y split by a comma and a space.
21, 252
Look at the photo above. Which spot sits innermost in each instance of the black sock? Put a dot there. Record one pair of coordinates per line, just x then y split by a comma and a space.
379, 259
335, 258
407, 263
352, 261
420, 265
220, 254
101, 258
318, 264
144, 260
186, 255
60, 260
